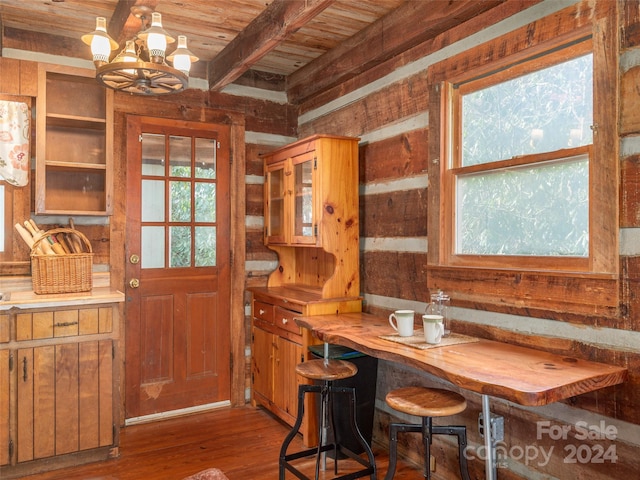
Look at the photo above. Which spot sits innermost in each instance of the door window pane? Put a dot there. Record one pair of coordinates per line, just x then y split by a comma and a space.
205, 158
152, 247
276, 202
152, 201
205, 246
153, 154
180, 202
180, 239
205, 202
179, 156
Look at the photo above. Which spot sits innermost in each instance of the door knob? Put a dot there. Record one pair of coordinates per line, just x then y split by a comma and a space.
134, 283
134, 259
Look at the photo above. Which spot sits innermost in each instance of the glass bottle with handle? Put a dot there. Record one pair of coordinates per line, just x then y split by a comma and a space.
440, 306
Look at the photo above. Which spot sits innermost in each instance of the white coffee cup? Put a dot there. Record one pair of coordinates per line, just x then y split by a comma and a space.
403, 322
433, 328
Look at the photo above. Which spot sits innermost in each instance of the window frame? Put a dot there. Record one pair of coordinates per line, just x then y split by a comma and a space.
535, 289
15, 260
452, 168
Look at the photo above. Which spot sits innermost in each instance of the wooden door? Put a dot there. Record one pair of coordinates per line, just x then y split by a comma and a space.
177, 266
287, 355
262, 363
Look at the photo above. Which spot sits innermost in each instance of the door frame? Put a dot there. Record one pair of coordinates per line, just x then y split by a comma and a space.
126, 105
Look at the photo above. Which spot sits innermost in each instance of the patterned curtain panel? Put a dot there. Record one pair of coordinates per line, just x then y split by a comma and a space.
14, 142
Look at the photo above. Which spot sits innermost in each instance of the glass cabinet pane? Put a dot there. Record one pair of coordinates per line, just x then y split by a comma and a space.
303, 188
275, 227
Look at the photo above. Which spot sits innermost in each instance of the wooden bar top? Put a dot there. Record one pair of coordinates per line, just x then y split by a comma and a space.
519, 374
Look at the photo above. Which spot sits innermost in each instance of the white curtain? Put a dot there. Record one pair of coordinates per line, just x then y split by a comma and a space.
14, 142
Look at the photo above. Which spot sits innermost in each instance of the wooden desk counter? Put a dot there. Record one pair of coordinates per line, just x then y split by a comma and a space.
519, 374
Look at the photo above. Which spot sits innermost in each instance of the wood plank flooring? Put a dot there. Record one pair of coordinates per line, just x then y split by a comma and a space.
243, 442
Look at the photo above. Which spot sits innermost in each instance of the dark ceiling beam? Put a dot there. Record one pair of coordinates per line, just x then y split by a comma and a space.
45, 43
409, 25
123, 25
263, 34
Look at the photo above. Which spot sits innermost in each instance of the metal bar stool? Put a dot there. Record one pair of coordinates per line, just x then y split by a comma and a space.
326, 371
426, 403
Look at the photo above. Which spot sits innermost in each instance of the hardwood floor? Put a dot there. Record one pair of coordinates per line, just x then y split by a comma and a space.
242, 442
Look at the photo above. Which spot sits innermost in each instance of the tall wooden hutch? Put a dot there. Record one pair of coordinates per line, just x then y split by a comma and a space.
311, 222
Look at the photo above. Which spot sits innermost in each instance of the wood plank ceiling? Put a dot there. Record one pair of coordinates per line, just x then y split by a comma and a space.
307, 45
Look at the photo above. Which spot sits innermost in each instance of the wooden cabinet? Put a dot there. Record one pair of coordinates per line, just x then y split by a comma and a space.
59, 406
74, 143
311, 222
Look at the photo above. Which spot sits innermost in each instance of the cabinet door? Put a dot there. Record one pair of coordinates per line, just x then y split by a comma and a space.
65, 401
262, 363
275, 200
4, 407
287, 355
304, 210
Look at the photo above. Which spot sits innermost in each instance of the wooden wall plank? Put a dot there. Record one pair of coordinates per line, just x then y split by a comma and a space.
396, 157
404, 277
403, 99
395, 214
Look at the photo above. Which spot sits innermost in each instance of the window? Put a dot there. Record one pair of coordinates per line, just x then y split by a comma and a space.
14, 208
518, 169
523, 170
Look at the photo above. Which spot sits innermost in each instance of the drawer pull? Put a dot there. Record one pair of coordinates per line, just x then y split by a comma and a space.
65, 324
262, 312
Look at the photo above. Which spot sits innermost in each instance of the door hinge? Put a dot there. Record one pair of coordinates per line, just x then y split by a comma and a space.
315, 163
315, 230
113, 351
140, 138
11, 448
11, 362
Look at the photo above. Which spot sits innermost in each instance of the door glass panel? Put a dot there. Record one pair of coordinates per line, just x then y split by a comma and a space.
276, 202
303, 199
152, 201
152, 154
205, 158
152, 247
205, 246
179, 156
180, 202
180, 239
205, 202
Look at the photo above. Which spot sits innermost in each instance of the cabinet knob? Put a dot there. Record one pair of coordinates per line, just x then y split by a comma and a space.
134, 283
285, 320
262, 312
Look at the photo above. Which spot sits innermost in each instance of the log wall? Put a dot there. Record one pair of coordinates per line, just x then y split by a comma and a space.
387, 107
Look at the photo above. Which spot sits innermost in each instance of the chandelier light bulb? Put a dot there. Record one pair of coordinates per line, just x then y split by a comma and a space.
182, 58
156, 38
100, 41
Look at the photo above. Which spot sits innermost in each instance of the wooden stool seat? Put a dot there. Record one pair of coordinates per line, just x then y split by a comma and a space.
426, 402
328, 370
325, 371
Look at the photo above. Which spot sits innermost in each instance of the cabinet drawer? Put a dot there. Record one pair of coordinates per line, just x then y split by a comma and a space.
263, 311
63, 323
285, 319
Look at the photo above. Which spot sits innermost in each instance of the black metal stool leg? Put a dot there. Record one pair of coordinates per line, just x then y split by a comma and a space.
394, 429
426, 438
459, 431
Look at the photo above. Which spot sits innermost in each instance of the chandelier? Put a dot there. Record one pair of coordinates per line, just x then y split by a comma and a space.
140, 67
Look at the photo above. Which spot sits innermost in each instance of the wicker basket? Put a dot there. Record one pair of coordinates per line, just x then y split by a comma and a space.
68, 273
